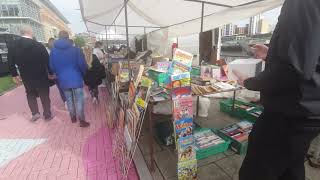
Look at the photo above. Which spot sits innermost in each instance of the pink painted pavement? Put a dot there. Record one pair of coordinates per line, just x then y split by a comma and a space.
68, 152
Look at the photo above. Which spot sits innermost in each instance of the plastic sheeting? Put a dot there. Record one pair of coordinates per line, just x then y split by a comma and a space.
180, 17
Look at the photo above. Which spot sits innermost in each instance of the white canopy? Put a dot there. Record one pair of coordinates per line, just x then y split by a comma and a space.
180, 17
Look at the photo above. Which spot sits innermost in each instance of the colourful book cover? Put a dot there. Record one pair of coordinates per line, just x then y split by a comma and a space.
182, 108
183, 57
181, 92
183, 127
186, 150
178, 68
176, 77
187, 170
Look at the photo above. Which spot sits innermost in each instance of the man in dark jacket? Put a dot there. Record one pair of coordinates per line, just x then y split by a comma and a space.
31, 58
68, 64
290, 93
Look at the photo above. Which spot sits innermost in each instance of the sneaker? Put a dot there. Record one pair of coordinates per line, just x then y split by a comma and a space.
84, 124
35, 117
73, 119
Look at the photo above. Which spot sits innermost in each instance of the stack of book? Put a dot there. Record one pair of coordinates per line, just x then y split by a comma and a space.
206, 139
239, 132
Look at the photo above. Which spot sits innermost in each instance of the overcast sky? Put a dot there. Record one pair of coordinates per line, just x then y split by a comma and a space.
70, 9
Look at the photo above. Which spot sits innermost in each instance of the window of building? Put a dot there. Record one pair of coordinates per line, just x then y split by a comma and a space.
13, 10
4, 11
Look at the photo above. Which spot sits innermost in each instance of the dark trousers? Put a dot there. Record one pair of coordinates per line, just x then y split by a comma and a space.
94, 91
277, 149
43, 93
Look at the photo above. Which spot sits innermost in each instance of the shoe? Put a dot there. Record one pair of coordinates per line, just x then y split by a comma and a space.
95, 101
84, 124
73, 119
35, 117
49, 118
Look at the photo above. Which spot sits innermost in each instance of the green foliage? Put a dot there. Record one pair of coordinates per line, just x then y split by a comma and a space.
79, 41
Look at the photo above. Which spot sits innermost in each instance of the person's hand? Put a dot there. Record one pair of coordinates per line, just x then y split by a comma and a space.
260, 51
241, 77
17, 80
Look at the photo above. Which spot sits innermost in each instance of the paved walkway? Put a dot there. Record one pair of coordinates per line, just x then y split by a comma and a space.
57, 150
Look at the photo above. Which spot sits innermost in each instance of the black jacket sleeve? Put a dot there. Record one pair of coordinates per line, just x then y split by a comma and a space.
12, 62
274, 79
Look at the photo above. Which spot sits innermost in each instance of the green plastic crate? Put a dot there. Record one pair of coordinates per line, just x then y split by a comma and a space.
211, 151
239, 147
226, 107
158, 77
195, 71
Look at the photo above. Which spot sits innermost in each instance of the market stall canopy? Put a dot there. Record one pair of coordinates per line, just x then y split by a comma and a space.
180, 17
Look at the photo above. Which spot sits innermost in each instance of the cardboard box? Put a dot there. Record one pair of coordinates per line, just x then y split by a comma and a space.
247, 67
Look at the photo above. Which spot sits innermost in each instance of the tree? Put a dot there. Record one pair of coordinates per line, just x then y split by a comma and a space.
79, 41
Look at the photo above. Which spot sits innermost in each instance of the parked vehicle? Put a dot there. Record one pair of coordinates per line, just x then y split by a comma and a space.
6, 42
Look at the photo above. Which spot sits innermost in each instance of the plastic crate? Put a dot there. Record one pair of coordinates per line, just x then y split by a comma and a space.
195, 71
226, 107
160, 78
214, 150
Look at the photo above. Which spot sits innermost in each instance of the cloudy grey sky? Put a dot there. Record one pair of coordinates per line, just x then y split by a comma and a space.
70, 9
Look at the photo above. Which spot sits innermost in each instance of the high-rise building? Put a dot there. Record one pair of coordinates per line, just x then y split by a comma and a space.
254, 24
263, 26
241, 30
228, 30
41, 15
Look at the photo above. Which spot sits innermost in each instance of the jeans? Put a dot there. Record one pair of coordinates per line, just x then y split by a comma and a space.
43, 93
75, 103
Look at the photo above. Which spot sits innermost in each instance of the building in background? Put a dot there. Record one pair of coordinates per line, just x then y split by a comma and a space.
52, 20
254, 24
228, 30
44, 18
264, 26
16, 13
241, 30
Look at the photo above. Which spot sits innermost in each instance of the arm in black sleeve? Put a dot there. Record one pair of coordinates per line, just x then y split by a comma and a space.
45, 57
274, 79
12, 62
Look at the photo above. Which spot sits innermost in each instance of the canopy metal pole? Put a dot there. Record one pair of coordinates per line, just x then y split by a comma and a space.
106, 28
200, 57
127, 34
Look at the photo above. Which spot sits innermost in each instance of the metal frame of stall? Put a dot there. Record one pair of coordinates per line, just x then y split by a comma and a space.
124, 7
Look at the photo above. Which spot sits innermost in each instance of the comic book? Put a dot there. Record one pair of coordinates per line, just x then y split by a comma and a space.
187, 170
182, 108
178, 68
181, 85
186, 150
183, 127
183, 57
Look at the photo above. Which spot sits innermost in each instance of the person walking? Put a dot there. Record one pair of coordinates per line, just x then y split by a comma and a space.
69, 66
63, 97
30, 58
95, 73
290, 94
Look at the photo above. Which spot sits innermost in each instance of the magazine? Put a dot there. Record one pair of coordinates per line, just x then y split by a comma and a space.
187, 170
178, 68
183, 57
183, 127
186, 150
182, 108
